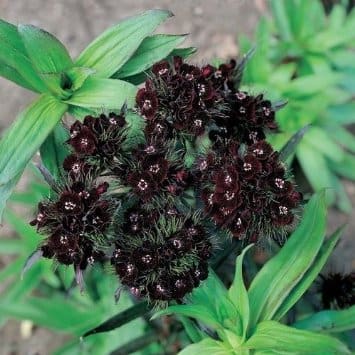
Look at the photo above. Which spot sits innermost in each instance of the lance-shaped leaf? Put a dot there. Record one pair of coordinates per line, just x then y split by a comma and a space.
197, 311
207, 346
152, 49
282, 273
273, 336
47, 54
238, 294
54, 151
107, 53
290, 147
22, 140
104, 94
329, 321
13, 55
122, 318
182, 52
13, 75
310, 275
178, 52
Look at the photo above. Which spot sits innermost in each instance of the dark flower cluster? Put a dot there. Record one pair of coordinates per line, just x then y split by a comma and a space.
245, 118
169, 192
338, 290
155, 170
188, 99
161, 258
76, 221
96, 143
245, 189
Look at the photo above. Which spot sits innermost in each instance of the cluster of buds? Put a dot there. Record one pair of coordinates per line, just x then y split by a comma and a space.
167, 196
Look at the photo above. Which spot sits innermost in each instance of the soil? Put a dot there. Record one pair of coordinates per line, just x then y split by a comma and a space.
213, 26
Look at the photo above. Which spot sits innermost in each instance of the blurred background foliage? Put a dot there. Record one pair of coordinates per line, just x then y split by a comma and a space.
306, 58
304, 55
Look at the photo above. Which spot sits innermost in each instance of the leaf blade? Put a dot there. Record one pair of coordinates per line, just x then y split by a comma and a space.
271, 335
281, 273
22, 140
108, 52
152, 49
104, 94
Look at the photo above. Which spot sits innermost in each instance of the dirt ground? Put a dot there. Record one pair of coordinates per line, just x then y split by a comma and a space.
213, 26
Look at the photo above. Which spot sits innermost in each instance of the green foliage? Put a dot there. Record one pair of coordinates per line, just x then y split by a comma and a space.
36, 60
306, 58
247, 321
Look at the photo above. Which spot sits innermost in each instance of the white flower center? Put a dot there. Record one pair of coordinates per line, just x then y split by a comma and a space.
63, 239
247, 166
229, 195
142, 184
147, 104
228, 180
69, 206
279, 183
154, 168
283, 210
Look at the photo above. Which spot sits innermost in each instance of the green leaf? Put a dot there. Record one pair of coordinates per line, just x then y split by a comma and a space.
12, 74
5, 193
48, 56
282, 22
152, 50
271, 335
53, 313
105, 94
80, 112
290, 147
197, 311
310, 275
110, 51
120, 319
182, 52
54, 150
315, 168
342, 114
29, 236
213, 295
13, 54
343, 137
14, 268
46, 52
192, 331
345, 167
329, 321
22, 140
342, 199
320, 140
282, 273
238, 294
207, 346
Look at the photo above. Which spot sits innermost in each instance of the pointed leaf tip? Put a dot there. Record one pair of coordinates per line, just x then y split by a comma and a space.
32, 259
